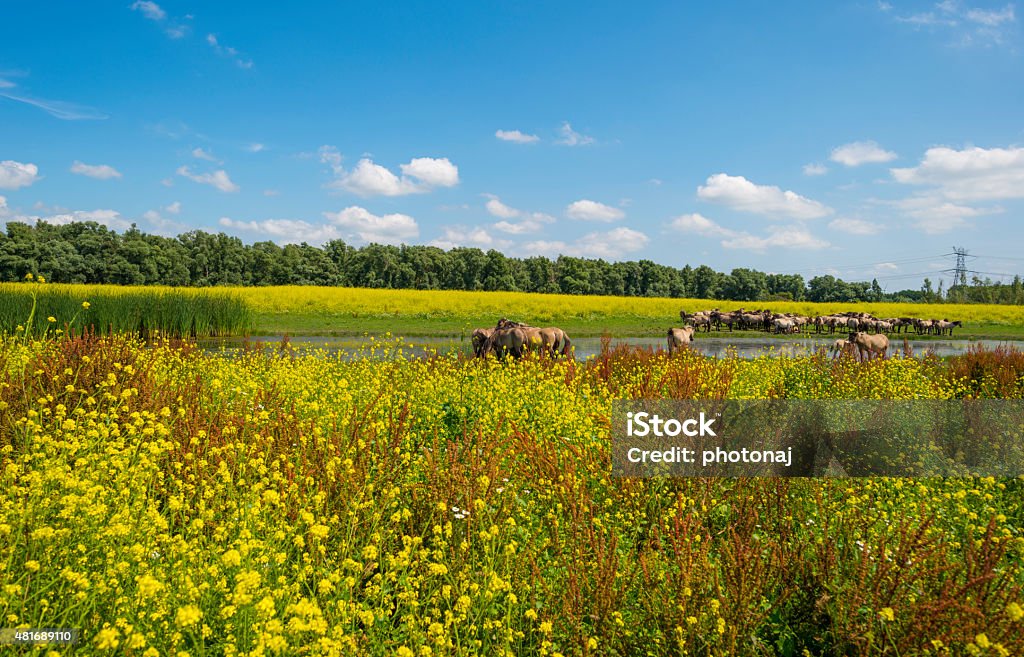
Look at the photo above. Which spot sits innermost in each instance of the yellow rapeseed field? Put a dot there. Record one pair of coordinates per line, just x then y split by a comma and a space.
550, 307
167, 501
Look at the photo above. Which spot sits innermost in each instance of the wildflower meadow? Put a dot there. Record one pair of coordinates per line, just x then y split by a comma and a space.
169, 501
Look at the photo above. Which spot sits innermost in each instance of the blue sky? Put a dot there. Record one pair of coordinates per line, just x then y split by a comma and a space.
855, 138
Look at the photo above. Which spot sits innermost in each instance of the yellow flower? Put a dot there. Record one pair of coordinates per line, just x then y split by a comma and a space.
85, 305
1014, 611
108, 638
29, 276
545, 627
51, 319
887, 614
231, 558
148, 585
187, 616
531, 614
32, 565
982, 641
405, 652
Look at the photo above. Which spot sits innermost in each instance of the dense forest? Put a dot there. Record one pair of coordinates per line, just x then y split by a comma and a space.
87, 252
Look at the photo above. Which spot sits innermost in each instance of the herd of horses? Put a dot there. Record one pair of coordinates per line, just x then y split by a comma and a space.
516, 338
867, 335
771, 322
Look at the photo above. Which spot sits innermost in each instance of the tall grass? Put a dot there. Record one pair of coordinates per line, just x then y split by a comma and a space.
170, 311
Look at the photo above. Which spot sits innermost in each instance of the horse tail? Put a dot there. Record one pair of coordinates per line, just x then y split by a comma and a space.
567, 347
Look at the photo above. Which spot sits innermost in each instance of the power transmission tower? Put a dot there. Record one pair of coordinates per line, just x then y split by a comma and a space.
960, 272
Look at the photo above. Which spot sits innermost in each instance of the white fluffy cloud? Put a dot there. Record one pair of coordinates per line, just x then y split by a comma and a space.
936, 215
969, 174
857, 153
739, 193
218, 179
286, 231
528, 223
360, 225
454, 236
790, 237
516, 136
815, 169
572, 138
786, 237
699, 225
611, 245
855, 226
98, 171
587, 210
419, 175
109, 218
15, 175
499, 209
432, 172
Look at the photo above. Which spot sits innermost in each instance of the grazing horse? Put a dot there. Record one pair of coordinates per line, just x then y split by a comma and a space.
679, 338
480, 336
877, 344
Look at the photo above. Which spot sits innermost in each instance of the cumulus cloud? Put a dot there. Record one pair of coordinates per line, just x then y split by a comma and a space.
739, 193
286, 231
572, 138
109, 218
454, 236
789, 237
970, 173
857, 153
936, 215
855, 226
174, 208
815, 169
419, 175
786, 237
98, 171
15, 175
498, 209
256, 147
218, 179
528, 223
360, 225
699, 225
587, 210
516, 136
611, 245
432, 172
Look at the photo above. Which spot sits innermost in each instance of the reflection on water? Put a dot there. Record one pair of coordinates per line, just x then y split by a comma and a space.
586, 347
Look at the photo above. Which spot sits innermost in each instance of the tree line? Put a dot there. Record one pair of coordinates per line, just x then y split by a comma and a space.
87, 252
